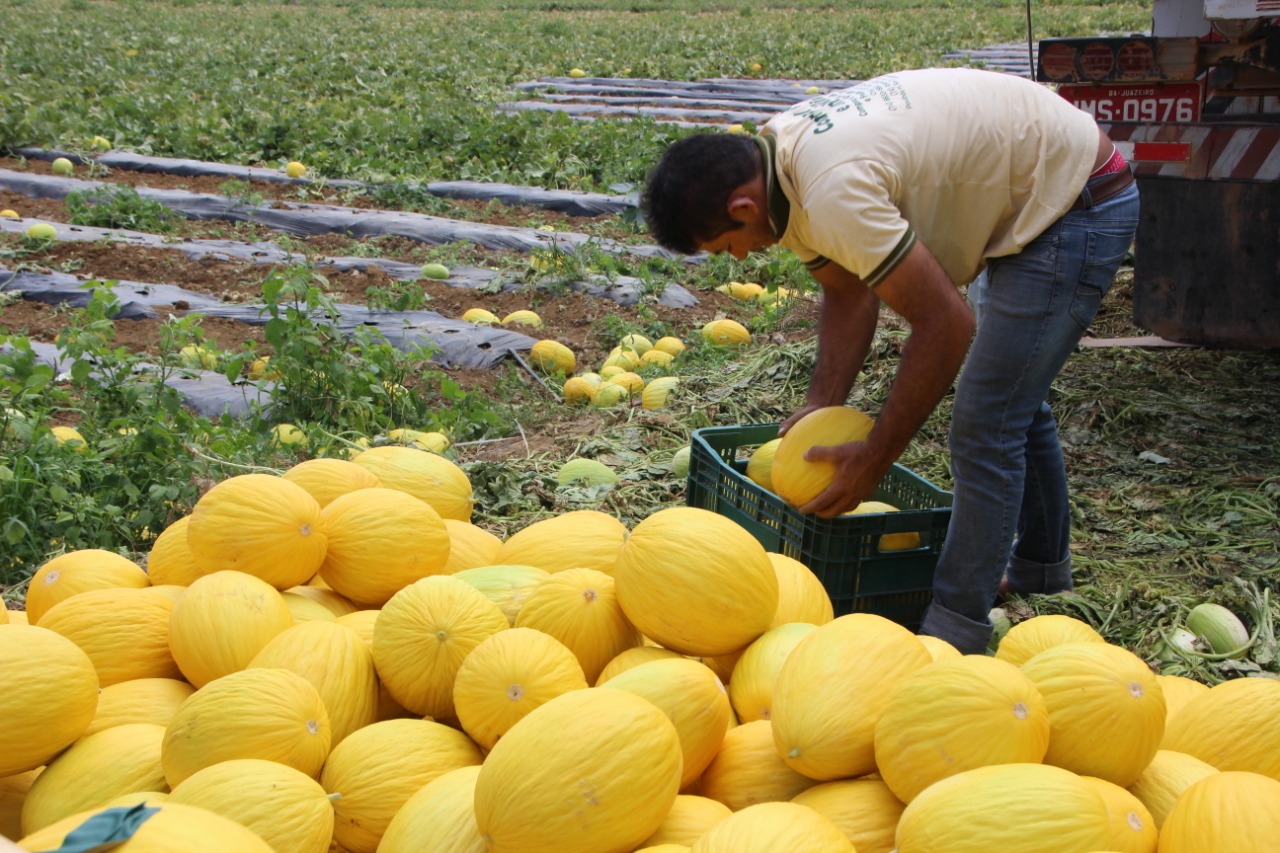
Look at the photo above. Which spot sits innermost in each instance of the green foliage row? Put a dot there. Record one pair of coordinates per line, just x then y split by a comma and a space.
411, 93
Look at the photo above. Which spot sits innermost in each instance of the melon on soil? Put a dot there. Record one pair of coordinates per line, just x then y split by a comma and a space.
696, 582
607, 787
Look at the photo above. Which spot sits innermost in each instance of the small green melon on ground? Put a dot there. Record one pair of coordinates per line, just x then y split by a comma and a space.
436, 271
680, 462
592, 472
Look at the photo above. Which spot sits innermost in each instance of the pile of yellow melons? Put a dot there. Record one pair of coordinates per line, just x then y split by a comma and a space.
338, 659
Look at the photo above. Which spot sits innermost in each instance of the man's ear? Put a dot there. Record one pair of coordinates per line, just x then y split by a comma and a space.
743, 206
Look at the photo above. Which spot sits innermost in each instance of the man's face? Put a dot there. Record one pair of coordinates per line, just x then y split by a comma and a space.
751, 237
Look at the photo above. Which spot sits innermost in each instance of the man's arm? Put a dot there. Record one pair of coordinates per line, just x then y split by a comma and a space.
846, 325
942, 326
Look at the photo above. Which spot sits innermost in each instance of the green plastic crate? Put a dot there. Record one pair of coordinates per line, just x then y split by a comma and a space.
843, 552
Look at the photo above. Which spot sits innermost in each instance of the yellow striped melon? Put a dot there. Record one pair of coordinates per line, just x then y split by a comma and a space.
1234, 810
13, 790
48, 696
222, 621
79, 571
832, 689
635, 341
658, 392
696, 582
285, 807
633, 657
325, 479
339, 666
427, 476
769, 827
607, 787
422, 636
507, 676
671, 345
272, 714
552, 357
170, 560
756, 673
1235, 725
688, 820
748, 770
93, 771
439, 818
865, 809
1178, 690
692, 697
1095, 687
377, 769
1130, 824
579, 607
801, 595
797, 480
955, 715
1032, 636
938, 648
470, 547
1162, 781
481, 317
334, 602
581, 539
142, 700
380, 541
760, 464
124, 631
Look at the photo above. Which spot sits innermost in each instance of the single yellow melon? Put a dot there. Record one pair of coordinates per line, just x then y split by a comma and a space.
760, 464
1162, 781
1178, 691
334, 602
1095, 687
48, 696
422, 636
380, 541
508, 586
748, 770
955, 715
756, 672
172, 828
552, 357
1034, 808
523, 317
13, 790
670, 345
889, 541
325, 479
606, 787
658, 392
1235, 725
689, 819
439, 818
797, 480
222, 621
272, 714
96, 769
124, 631
581, 539
285, 807
170, 561
425, 475
1132, 828
727, 333
801, 595
142, 700
339, 666
305, 609
1032, 636
507, 676
469, 546
259, 524
579, 389
633, 657
656, 358
579, 607
635, 341
864, 809
377, 769
481, 317
79, 571
832, 689
1230, 811
692, 697
770, 827
696, 582
938, 648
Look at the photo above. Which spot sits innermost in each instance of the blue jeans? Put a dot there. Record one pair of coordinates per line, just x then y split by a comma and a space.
1010, 511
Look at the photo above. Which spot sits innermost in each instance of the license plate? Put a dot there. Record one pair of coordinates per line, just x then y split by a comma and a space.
1143, 102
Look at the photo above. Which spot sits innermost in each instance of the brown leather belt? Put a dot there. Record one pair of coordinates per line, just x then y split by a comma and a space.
1099, 189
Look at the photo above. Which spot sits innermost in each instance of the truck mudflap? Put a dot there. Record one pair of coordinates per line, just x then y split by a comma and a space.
1207, 267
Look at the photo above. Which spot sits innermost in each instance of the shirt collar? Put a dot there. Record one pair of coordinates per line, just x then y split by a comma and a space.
778, 203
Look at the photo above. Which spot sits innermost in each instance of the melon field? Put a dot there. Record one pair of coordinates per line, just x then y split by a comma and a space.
271, 234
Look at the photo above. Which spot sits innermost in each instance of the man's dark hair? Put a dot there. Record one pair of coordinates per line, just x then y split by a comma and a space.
685, 202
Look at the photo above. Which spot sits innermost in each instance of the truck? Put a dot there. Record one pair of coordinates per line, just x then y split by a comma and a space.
1195, 108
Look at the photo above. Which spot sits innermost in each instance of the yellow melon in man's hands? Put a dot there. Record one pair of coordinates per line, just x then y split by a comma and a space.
797, 480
